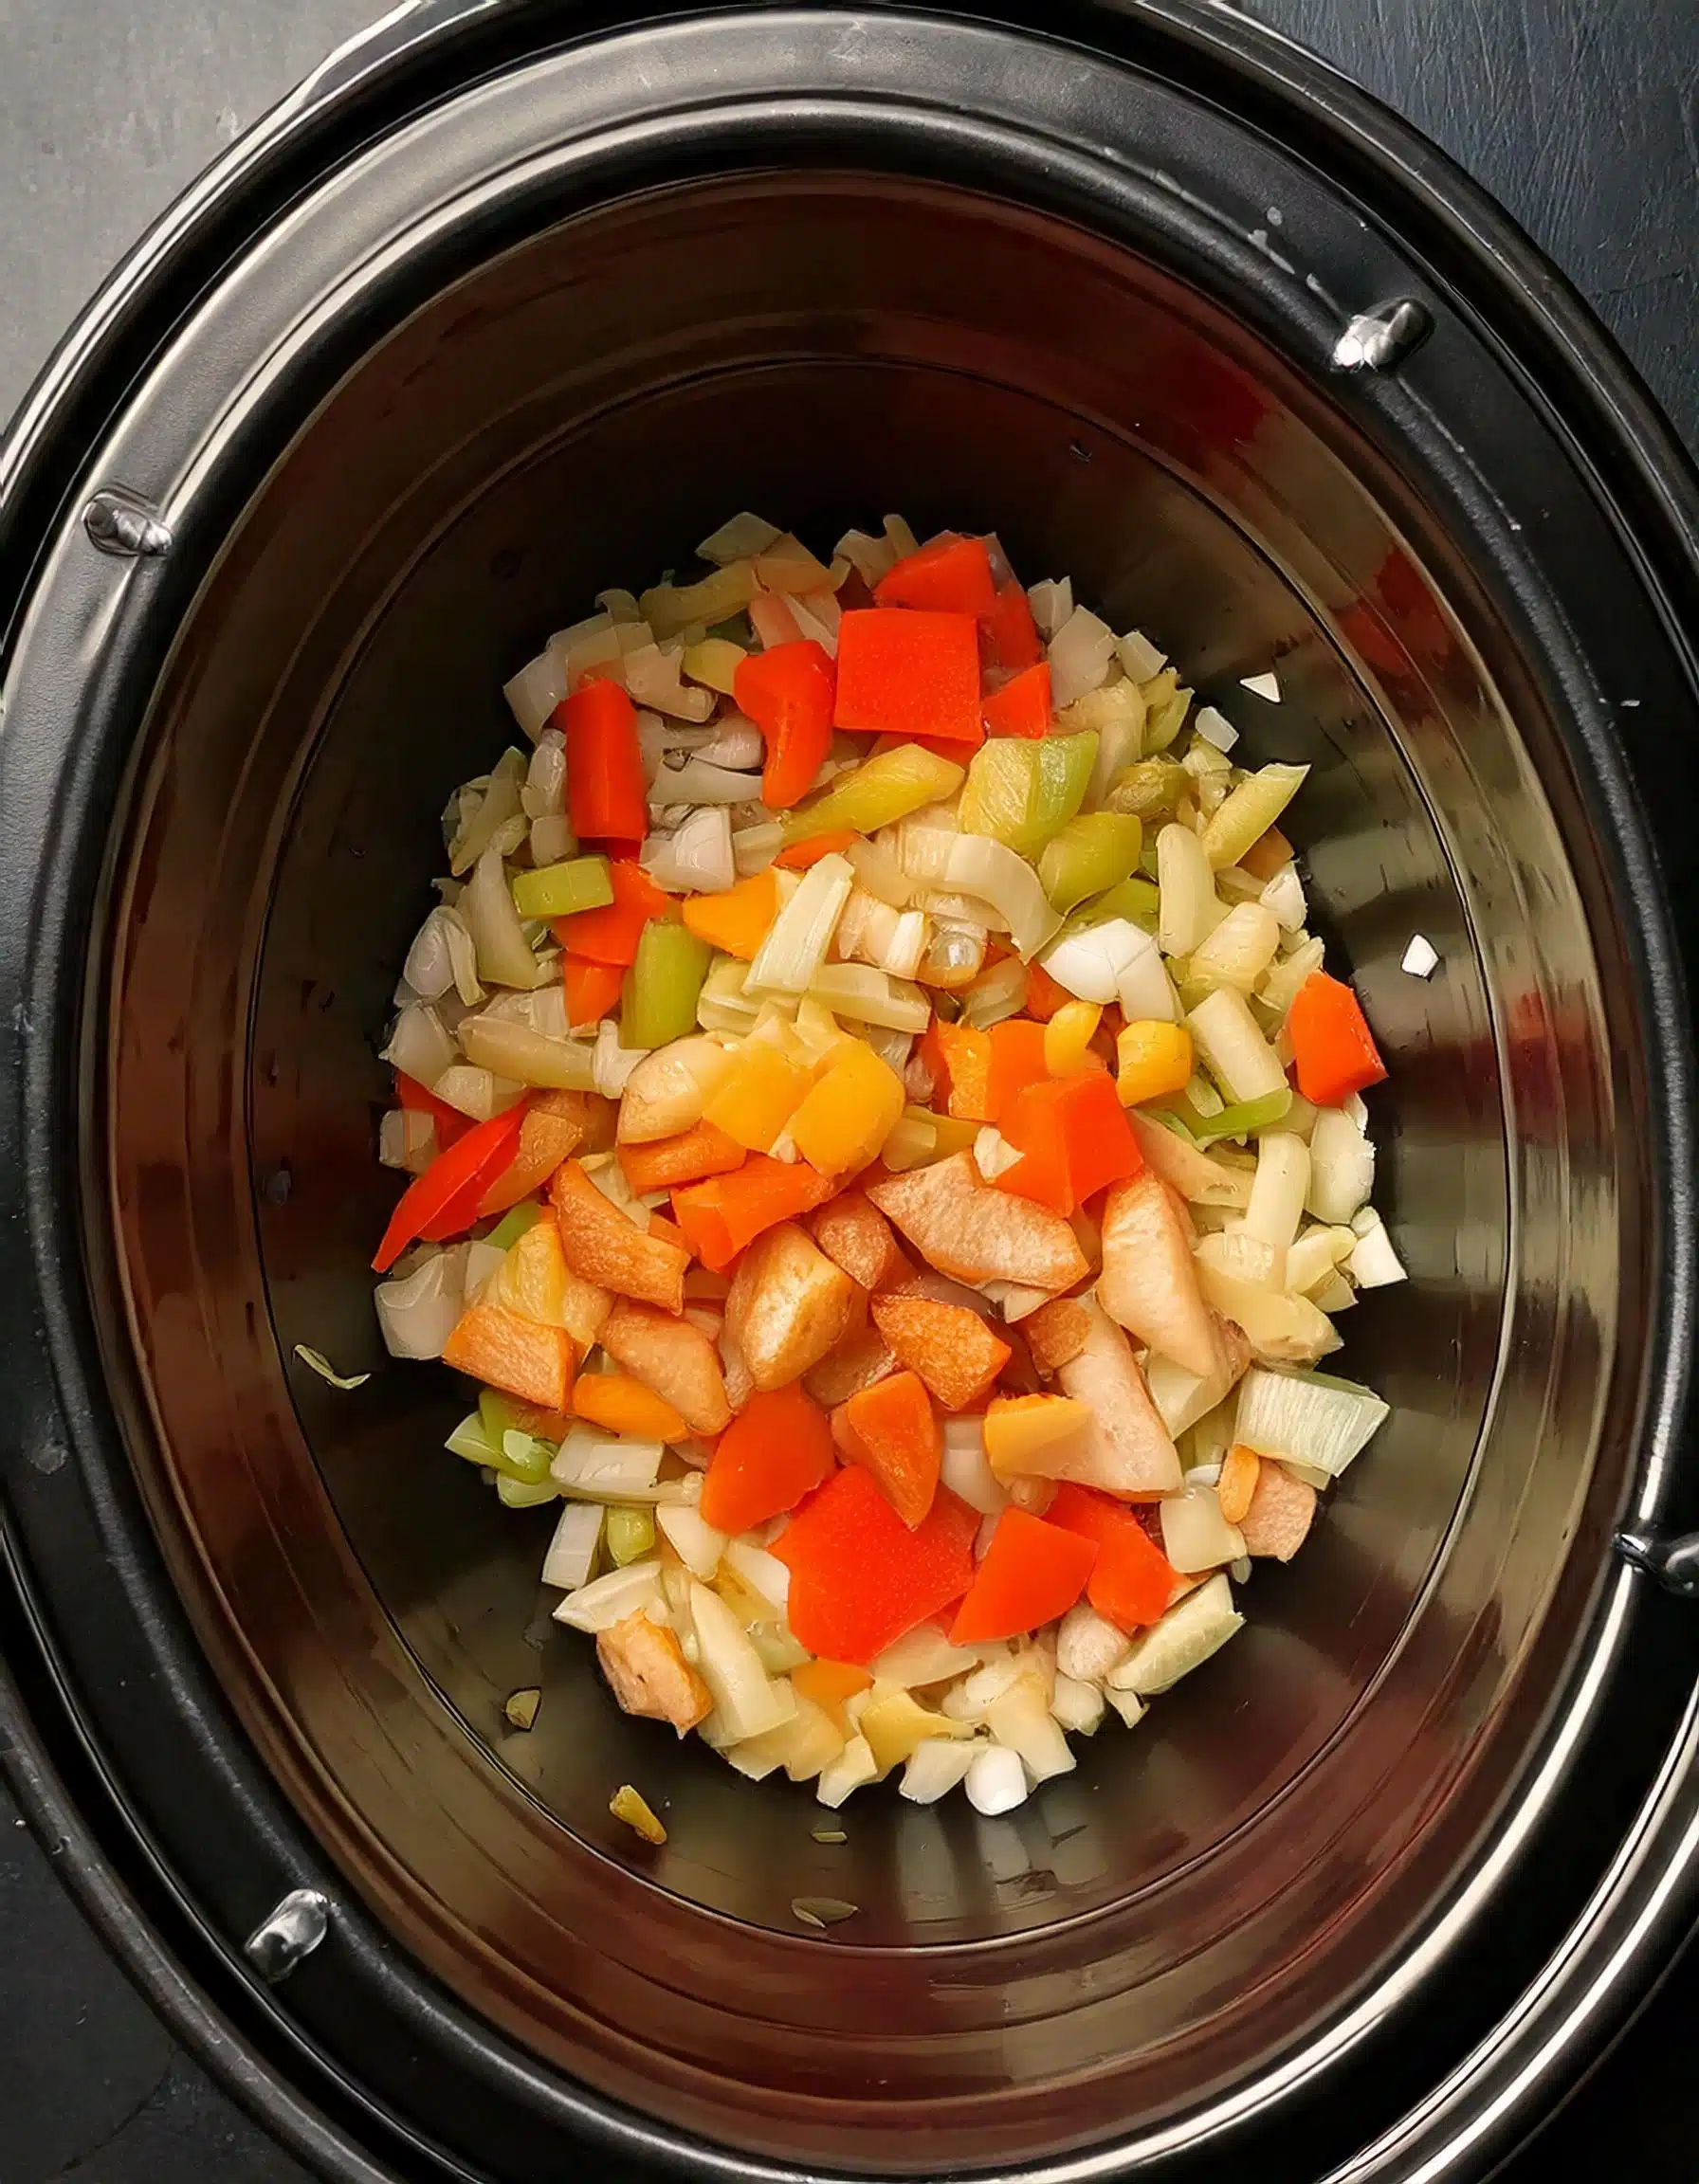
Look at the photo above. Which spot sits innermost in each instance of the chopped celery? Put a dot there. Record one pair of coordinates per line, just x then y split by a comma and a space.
469, 1439
1149, 790
509, 1446
1165, 707
877, 793
663, 986
1242, 1121
1249, 812
525, 1458
954, 1133
1021, 793
514, 1222
1095, 850
525, 1493
631, 1535
563, 890
1134, 899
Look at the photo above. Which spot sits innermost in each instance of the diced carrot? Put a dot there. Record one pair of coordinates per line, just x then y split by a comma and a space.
897, 1439
626, 1406
860, 1578
950, 1347
960, 1059
776, 1449
668, 1231
1131, 1582
800, 855
788, 693
1016, 1061
1032, 1572
736, 921
1332, 1044
1073, 1138
687, 1158
1044, 996
603, 1246
419, 1099
1022, 707
829, 1683
726, 1212
592, 989
902, 673
444, 1199
606, 800
1011, 632
522, 1357
1266, 854
609, 936
951, 575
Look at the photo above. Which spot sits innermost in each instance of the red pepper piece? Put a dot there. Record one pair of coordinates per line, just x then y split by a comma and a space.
1132, 1581
860, 1578
610, 934
1023, 707
1032, 1572
788, 694
776, 1449
592, 989
431, 1204
1073, 1138
450, 1123
1012, 635
909, 674
951, 575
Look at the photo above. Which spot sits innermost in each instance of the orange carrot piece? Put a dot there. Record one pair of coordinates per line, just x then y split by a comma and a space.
1023, 707
736, 921
860, 1578
610, 934
606, 800
800, 855
1332, 1044
522, 1357
951, 1348
694, 1153
897, 1438
1016, 1061
626, 1406
951, 575
776, 1449
1266, 854
1032, 1572
592, 989
829, 1683
902, 673
1132, 1581
723, 1214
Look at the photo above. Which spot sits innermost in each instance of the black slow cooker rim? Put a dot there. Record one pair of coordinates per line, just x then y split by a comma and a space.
59, 422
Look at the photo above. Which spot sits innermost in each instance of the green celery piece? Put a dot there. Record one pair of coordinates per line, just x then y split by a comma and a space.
563, 890
1021, 793
1093, 852
514, 1222
663, 986
1134, 899
519, 1494
497, 1414
469, 1439
1166, 704
525, 1458
879, 792
1059, 786
1149, 790
1241, 1122
631, 1535
735, 629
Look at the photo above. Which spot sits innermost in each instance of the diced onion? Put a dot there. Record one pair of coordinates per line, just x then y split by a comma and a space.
1091, 965
934, 1767
1374, 1263
606, 1601
1214, 728
1052, 601
793, 951
416, 1315
1189, 910
697, 782
697, 858
1341, 1167
572, 1551
996, 1781
1139, 658
1080, 653
419, 1045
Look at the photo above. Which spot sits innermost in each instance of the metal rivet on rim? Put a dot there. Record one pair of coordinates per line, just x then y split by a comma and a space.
292, 1930
1376, 341
1674, 1561
119, 524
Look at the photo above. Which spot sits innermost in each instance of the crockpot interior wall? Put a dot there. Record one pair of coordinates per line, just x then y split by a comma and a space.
573, 417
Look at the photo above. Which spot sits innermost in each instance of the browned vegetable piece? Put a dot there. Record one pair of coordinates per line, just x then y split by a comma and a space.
1133, 1453
855, 1361
1280, 1515
788, 1305
952, 1349
975, 1234
520, 1356
556, 1125
1237, 1487
851, 1231
1056, 1332
647, 1673
674, 1359
603, 1247
1149, 1283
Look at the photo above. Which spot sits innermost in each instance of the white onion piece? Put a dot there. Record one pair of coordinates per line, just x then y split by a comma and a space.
1145, 989
1139, 657
697, 782
416, 1315
1284, 895
1092, 964
407, 1139
612, 1065
606, 1601
419, 1045
504, 956
996, 1781
536, 690
1052, 601
1195, 1535
936, 1765
1080, 653
697, 858
1341, 1167
570, 1555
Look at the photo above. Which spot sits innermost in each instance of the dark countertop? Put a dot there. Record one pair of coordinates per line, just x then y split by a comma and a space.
1582, 115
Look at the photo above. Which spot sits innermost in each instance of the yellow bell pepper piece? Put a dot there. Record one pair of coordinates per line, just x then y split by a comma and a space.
850, 1112
715, 662
1155, 1059
1069, 1034
757, 1096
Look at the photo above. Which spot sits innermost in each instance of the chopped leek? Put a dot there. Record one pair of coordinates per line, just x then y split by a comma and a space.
1190, 910
504, 956
1134, 899
523, 1493
563, 890
1239, 1121
663, 986
572, 1551
1308, 1417
1093, 852
1022, 793
856, 990
978, 866
794, 949
1238, 1057
631, 1535
1165, 707
1249, 812
877, 793
1238, 950
513, 1224
1149, 790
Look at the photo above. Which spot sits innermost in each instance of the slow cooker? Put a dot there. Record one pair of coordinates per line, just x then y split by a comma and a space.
510, 299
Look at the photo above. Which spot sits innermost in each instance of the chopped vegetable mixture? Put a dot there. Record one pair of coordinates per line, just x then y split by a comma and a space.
885, 1145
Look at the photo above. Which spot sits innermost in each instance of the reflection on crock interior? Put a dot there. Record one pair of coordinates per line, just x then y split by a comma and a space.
888, 1157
